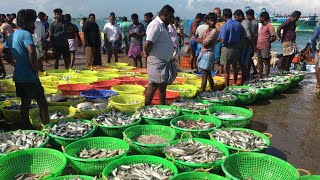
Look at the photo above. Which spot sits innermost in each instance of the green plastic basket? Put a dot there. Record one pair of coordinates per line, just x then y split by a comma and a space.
13, 116
265, 93
93, 167
197, 176
313, 177
161, 121
57, 142
73, 176
43, 145
281, 87
235, 122
128, 160
214, 167
115, 131
34, 160
199, 133
188, 112
35, 119
221, 102
243, 98
148, 149
258, 166
234, 149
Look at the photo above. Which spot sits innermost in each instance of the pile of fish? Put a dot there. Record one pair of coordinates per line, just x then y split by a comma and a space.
19, 140
275, 80
180, 90
87, 106
77, 178
65, 78
4, 97
191, 105
239, 90
116, 118
99, 153
191, 124
215, 96
239, 139
30, 176
260, 85
61, 98
73, 129
194, 152
15, 106
58, 115
224, 115
157, 112
141, 171
151, 139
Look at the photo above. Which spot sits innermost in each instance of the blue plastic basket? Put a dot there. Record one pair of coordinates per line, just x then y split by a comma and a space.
95, 94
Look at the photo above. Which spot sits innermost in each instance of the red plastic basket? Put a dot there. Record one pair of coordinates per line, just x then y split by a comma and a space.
73, 89
171, 97
140, 70
128, 80
143, 83
105, 85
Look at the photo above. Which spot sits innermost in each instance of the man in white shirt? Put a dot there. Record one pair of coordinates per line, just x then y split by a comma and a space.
38, 37
159, 51
112, 38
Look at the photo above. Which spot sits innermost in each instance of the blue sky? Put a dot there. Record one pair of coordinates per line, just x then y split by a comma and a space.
184, 8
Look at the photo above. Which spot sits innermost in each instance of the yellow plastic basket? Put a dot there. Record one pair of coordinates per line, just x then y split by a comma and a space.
142, 76
83, 80
8, 85
186, 75
185, 91
129, 89
118, 64
196, 82
89, 72
126, 103
106, 76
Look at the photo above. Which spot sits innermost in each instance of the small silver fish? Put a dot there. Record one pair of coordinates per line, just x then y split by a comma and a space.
192, 124
151, 139
99, 153
116, 118
215, 96
72, 129
224, 115
141, 171
157, 112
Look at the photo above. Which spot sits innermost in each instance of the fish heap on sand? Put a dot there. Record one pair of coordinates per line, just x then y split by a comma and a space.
224, 115
19, 140
71, 129
4, 97
141, 171
60, 98
215, 96
87, 106
151, 139
157, 112
239, 139
96, 153
194, 152
30, 176
116, 118
190, 105
192, 124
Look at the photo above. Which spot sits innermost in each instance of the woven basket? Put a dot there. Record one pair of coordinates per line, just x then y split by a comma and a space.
132, 133
235, 122
34, 160
93, 167
199, 133
35, 119
257, 166
186, 167
138, 159
57, 141
161, 121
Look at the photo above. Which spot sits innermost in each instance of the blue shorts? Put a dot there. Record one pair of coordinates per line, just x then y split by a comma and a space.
217, 51
199, 46
246, 55
193, 44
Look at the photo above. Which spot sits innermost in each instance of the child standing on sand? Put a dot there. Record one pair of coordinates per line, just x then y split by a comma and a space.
208, 38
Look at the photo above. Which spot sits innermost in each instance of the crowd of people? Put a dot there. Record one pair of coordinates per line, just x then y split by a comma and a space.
226, 38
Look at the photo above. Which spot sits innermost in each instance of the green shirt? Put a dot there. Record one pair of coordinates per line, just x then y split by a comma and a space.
124, 26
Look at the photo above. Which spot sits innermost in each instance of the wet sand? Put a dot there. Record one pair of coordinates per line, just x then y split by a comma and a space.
293, 118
